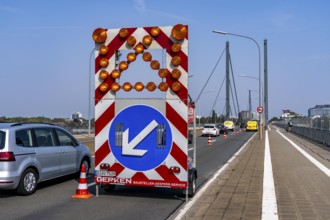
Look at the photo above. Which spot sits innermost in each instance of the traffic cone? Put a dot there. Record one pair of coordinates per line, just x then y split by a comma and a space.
209, 142
224, 136
82, 191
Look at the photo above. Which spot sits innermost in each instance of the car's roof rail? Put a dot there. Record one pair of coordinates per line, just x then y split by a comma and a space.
21, 123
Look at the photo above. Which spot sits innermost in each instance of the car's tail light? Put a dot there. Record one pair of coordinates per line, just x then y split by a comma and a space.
7, 156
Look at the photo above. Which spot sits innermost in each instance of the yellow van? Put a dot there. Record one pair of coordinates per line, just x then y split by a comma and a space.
229, 125
252, 126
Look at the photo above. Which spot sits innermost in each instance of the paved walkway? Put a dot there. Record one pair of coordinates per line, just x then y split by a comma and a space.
302, 184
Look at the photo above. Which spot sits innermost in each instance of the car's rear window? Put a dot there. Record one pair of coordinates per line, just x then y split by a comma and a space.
208, 126
2, 139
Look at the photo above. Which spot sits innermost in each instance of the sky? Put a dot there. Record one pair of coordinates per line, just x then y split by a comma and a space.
45, 50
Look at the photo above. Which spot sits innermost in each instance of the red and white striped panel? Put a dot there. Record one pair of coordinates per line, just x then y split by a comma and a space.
176, 111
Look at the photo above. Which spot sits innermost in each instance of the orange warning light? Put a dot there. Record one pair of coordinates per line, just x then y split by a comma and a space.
176, 48
115, 74
131, 41
127, 87
147, 40
162, 73
103, 74
123, 32
104, 50
99, 35
115, 87
163, 86
154, 65
104, 62
179, 32
146, 56
139, 86
139, 48
176, 60
131, 57
123, 65
151, 86
176, 73
155, 31
104, 87
176, 86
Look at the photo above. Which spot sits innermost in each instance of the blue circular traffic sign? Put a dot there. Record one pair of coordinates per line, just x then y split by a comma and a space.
140, 137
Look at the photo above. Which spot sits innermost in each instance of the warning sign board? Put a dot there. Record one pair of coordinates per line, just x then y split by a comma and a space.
140, 141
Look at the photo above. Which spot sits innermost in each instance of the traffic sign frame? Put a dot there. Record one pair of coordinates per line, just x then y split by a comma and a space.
174, 109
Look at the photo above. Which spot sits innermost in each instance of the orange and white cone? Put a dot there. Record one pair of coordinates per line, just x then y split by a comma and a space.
82, 191
224, 136
209, 141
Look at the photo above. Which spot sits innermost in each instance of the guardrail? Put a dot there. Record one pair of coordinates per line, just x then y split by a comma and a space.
315, 134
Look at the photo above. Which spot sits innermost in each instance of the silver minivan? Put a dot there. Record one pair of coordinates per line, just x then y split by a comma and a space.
31, 153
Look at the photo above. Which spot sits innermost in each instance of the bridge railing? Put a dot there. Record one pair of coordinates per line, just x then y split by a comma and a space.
316, 129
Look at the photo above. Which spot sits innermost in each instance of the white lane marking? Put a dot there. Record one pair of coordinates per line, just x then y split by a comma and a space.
200, 192
91, 184
269, 203
323, 168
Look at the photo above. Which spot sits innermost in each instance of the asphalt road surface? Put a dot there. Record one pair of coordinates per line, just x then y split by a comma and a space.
53, 198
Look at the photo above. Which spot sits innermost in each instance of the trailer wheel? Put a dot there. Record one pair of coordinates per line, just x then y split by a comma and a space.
192, 186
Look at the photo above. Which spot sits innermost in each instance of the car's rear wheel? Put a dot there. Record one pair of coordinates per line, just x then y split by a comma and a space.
28, 182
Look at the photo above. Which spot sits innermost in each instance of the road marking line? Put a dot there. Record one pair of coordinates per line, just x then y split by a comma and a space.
319, 165
91, 184
200, 192
269, 203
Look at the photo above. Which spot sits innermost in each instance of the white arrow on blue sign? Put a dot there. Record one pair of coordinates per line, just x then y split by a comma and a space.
140, 137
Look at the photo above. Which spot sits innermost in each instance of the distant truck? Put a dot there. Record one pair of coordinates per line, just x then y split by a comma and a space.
142, 141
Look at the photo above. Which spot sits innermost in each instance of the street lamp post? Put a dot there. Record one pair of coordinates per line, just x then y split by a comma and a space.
260, 87
89, 93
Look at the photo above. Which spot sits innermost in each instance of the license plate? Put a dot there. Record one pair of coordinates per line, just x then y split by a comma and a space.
106, 173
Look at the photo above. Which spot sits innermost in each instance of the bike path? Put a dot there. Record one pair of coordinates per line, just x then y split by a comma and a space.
301, 187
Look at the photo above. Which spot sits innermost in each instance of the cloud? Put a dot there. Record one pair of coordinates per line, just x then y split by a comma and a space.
286, 22
283, 20
48, 27
319, 57
10, 10
140, 5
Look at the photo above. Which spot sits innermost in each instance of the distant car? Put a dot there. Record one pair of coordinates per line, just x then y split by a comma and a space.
31, 153
252, 126
229, 125
190, 137
222, 129
210, 129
